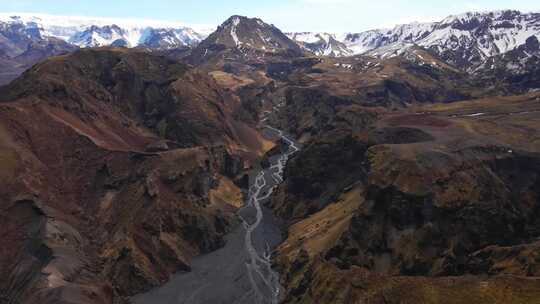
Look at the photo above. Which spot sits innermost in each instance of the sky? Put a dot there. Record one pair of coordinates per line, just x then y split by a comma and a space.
288, 15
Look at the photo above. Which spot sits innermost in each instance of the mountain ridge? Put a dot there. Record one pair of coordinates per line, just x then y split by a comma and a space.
465, 40
473, 36
416, 180
95, 32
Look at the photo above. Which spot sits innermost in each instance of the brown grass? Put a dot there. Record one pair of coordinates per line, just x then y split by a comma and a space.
230, 81
227, 193
321, 230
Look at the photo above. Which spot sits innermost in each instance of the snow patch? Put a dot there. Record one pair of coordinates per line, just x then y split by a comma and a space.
90, 32
236, 22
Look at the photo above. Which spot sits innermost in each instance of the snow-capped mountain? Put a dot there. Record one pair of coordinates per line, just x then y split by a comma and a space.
520, 67
464, 40
322, 44
22, 46
517, 61
16, 40
245, 38
469, 39
251, 33
95, 32
155, 38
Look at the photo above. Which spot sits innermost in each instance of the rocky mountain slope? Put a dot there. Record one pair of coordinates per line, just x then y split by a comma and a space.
516, 70
412, 206
21, 47
321, 44
394, 199
248, 38
465, 40
114, 163
417, 180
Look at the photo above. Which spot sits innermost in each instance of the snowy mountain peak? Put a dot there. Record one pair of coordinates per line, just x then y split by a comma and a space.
91, 32
250, 33
321, 44
473, 17
464, 40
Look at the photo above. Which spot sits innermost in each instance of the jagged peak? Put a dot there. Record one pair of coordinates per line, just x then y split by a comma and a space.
490, 14
237, 19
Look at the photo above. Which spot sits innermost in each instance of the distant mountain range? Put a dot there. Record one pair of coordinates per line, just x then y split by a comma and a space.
96, 32
467, 41
28, 38
474, 36
417, 179
463, 40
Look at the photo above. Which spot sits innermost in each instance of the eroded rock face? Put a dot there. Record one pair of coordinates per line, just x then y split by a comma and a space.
102, 195
165, 96
245, 40
115, 166
443, 201
126, 224
313, 184
434, 228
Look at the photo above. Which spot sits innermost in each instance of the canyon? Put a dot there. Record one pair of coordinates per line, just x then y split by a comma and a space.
247, 168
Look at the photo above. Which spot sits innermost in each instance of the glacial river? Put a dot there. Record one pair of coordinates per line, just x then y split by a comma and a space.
241, 271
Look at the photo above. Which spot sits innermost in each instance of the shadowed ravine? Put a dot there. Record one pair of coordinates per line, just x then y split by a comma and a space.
259, 267
241, 271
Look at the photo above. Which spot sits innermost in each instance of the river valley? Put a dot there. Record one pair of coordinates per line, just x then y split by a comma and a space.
241, 271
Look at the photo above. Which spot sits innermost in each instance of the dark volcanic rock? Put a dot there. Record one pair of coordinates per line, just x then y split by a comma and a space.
246, 39
399, 135
151, 88
531, 44
312, 184
91, 215
432, 234
414, 200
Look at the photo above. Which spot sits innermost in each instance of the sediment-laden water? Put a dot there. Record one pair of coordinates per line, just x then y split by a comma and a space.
241, 271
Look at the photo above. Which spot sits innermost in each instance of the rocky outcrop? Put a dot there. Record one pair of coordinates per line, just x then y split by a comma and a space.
111, 225
425, 202
313, 184
108, 159
423, 229
242, 39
